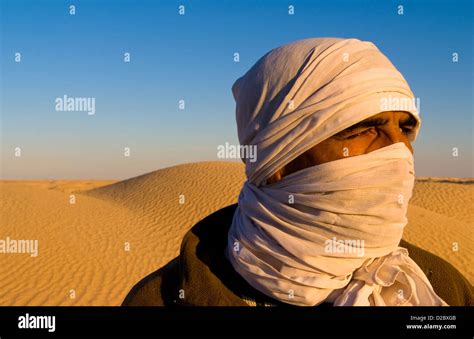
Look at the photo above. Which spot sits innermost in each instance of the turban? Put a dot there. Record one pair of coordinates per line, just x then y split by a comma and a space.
302, 93
329, 232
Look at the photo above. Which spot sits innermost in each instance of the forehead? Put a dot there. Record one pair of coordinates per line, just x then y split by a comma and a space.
398, 115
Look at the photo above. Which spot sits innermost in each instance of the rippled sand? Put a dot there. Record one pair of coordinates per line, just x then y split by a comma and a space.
93, 251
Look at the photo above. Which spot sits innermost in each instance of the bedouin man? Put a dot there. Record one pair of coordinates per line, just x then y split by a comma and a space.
320, 218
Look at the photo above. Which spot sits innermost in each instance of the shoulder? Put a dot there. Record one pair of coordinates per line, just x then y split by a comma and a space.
158, 288
153, 289
446, 280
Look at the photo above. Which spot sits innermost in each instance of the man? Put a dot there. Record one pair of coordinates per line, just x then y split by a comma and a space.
320, 218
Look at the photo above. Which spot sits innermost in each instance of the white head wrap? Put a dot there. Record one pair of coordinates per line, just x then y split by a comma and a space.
328, 232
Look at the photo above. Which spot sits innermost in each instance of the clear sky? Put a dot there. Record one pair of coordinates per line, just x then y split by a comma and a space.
191, 57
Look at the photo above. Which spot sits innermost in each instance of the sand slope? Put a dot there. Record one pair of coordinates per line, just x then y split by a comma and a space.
82, 246
119, 232
441, 221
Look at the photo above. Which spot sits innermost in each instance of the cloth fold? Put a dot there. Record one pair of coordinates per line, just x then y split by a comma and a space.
392, 280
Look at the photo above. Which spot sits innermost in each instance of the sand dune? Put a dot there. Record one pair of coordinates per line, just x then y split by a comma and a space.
92, 252
66, 186
441, 220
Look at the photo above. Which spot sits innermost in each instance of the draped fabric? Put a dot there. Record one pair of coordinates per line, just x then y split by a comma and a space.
328, 232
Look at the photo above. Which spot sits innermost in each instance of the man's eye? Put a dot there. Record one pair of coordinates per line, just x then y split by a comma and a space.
358, 134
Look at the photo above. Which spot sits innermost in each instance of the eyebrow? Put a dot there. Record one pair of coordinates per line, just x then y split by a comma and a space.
410, 121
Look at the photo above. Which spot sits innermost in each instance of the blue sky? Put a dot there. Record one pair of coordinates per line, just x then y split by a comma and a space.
190, 57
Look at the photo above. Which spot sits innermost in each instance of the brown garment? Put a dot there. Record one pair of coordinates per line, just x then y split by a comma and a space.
202, 276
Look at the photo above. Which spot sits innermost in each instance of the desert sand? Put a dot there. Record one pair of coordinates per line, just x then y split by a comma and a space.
92, 251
